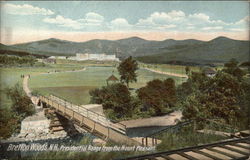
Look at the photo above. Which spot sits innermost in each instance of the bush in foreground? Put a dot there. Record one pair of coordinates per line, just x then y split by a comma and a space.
10, 118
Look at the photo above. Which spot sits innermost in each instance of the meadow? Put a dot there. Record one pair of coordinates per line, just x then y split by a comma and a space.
11, 76
170, 68
75, 86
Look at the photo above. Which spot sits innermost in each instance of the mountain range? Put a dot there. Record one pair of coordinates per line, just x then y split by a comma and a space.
220, 49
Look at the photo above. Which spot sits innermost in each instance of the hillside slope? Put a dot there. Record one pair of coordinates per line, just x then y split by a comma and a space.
220, 49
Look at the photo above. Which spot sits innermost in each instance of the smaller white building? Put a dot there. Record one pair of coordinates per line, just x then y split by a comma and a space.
57, 57
98, 57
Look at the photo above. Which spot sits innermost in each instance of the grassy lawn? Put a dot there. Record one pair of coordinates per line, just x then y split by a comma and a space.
75, 86
170, 68
12, 75
76, 94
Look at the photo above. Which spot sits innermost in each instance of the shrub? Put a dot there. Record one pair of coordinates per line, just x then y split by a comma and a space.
8, 123
116, 100
158, 96
21, 104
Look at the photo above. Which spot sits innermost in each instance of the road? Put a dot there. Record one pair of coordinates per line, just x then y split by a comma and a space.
170, 119
167, 73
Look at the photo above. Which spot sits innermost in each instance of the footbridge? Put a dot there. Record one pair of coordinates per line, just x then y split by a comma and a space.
93, 122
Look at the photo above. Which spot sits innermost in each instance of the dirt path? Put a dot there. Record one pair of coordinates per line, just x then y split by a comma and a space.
25, 86
166, 120
167, 73
26, 89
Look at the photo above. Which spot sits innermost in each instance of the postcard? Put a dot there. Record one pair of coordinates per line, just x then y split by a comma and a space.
124, 80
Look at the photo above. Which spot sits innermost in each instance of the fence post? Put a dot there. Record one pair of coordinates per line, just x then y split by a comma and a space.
93, 128
152, 141
108, 132
82, 120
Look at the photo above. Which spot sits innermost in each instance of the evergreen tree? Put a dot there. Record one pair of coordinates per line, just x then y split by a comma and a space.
127, 70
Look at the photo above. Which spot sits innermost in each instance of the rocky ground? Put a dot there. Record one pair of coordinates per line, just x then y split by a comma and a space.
36, 127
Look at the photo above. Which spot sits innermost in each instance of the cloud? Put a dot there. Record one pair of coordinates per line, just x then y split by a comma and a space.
178, 20
92, 19
119, 23
201, 20
243, 21
164, 27
237, 29
64, 22
161, 18
174, 20
212, 28
199, 17
25, 9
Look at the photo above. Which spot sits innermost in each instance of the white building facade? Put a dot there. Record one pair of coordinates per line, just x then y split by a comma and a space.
99, 57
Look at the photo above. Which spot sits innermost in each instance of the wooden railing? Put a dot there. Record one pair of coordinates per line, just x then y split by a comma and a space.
92, 121
91, 114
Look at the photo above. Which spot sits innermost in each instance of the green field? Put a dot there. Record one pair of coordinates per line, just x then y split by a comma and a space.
75, 86
170, 68
12, 75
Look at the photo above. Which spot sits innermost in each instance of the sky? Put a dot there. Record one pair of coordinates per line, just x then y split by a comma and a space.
24, 21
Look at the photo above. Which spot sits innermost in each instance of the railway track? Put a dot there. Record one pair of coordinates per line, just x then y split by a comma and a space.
238, 149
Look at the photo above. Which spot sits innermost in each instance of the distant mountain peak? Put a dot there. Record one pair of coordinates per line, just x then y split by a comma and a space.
221, 38
56, 40
170, 40
133, 38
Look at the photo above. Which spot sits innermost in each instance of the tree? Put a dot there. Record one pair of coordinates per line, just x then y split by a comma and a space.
232, 67
127, 70
115, 98
158, 96
187, 69
217, 97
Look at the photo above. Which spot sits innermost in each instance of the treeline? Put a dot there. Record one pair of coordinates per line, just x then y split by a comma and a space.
223, 96
156, 98
11, 118
15, 60
20, 53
